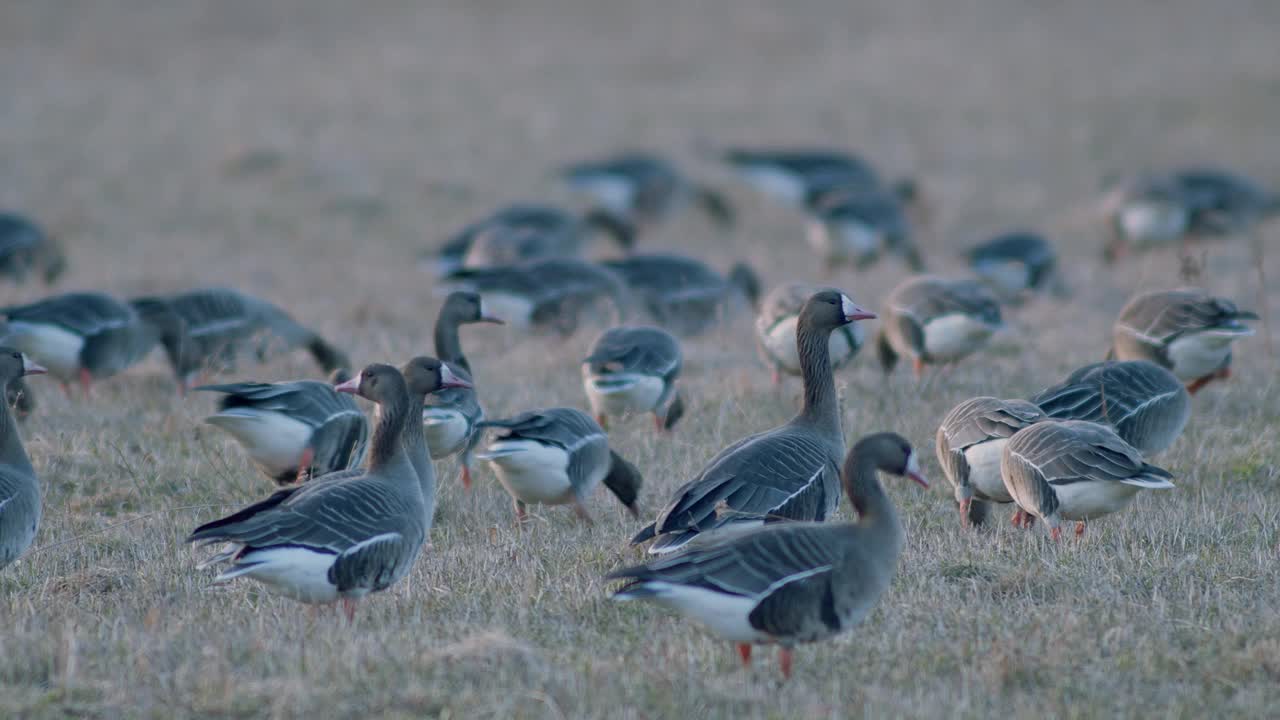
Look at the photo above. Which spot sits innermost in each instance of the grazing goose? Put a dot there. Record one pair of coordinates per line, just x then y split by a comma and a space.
84, 336
792, 175
643, 188
1144, 403
293, 430
1187, 331
776, 332
19, 487
684, 295
1017, 264
1143, 212
519, 233
790, 583
856, 226
218, 322
450, 415
970, 443
338, 538
1074, 470
932, 320
545, 293
25, 249
633, 369
557, 456
790, 472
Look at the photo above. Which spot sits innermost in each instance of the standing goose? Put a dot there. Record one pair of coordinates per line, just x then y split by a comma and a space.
856, 226
970, 444
520, 233
1144, 403
293, 430
932, 320
790, 583
84, 336
1074, 470
1017, 264
450, 415
1188, 331
776, 332
643, 188
25, 249
339, 538
633, 369
790, 472
557, 456
19, 488
426, 377
684, 295
543, 294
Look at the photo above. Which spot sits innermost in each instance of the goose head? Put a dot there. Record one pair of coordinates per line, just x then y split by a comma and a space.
14, 364
468, 307
378, 382
830, 309
425, 375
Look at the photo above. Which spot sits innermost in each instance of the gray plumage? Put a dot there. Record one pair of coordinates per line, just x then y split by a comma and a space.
20, 509
549, 293
969, 444
1016, 264
775, 331
857, 225
792, 174
932, 320
634, 369
1188, 331
682, 294
25, 249
522, 233
644, 188
1145, 404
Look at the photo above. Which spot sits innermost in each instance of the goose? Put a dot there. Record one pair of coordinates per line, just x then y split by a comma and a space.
218, 322
643, 188
524, 232
426, 377
855, 226
932, 320
791, 175
1188, 331
544, 293
790, 472
450, 415
790, 583
633, 369
25, 248
1142, 212
682, 294
84, 336
19, 487
557, 456
293, 430
1077, 470
1017, 264
1144, 403
970, 444
776, 332
339, 538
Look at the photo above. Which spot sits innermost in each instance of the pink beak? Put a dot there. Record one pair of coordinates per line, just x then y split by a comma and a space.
351, 386
918, 478
30, 368
450, 380
860, 314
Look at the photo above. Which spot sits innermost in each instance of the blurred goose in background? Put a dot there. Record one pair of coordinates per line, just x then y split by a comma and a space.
788, 473
84, 336
970, 444
855, 226
633, 369
790, 583
1144, 403
25, 249
1059, 470
643, 188
339, 538
217, 323
545, 293
450, 415
791, 175
558, 456
524, 232
1188, 331
1016, 265
20, 509
776, 332
684, 295
931, 321
293, 430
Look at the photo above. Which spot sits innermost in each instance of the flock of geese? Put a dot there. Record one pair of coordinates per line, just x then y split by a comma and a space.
745, 547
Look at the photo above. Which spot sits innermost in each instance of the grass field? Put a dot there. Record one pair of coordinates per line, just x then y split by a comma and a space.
307, 151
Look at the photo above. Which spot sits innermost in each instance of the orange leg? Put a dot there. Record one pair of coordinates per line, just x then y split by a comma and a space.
521, 514
581, 511
1056, 534
917, 367
1018, 516
304, 464
657, 422
784, 661
777, 377
964, 511
744, 652
1080, 529
466, 478
603, 420
86, 379
1196, 385
349, 608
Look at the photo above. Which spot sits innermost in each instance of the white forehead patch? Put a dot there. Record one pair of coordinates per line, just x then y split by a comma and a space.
846, 305
483, 309
446, 375
913, 463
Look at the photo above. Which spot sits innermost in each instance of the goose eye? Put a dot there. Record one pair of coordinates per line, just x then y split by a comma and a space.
17, 356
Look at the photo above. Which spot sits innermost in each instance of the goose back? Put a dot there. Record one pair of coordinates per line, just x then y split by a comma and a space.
1145, 404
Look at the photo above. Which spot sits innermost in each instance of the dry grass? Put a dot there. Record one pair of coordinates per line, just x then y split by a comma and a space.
307, 150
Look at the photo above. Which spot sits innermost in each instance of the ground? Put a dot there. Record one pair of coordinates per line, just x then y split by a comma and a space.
308, 151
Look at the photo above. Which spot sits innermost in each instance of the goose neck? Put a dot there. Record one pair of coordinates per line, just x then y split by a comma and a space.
821, 406
11, 450
387, 448
876, 512
448, 344
415, 446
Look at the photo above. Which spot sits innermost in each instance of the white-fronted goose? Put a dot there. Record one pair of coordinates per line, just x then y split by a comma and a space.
931, 320
970, 444
1188, 331
557, 456
790, 583
1144, 403
633, 369
1016, 265
25, 249
776, 332
684, 295
855, 226
83, 336
790, 472
644, 188
793, 174
426, 377
293, 430
545, 293
1059, 470
339, 538
525, 232
19, 488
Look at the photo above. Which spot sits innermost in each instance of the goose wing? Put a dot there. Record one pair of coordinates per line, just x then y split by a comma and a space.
85, 314
1161, 317
642, 350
